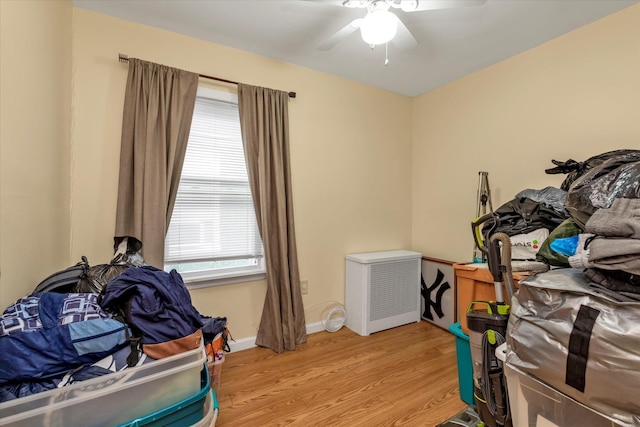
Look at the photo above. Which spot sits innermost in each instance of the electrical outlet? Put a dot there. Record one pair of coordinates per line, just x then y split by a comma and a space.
304, 287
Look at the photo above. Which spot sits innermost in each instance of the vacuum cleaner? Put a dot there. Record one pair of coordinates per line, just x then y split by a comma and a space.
487, 323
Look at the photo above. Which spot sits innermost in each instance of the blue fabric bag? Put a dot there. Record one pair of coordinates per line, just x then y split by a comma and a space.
157, 307
47, 334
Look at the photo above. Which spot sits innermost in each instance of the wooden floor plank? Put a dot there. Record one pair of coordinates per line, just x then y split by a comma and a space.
405, 376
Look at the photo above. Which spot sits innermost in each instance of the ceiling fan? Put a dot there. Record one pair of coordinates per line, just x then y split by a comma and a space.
380, 25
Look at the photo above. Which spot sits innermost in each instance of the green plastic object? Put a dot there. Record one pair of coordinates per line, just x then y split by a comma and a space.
547, 255
185, 413
465, 365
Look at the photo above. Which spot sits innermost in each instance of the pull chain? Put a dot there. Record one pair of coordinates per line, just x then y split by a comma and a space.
386, 54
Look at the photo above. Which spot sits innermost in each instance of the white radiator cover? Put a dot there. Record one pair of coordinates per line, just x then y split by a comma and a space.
382, 290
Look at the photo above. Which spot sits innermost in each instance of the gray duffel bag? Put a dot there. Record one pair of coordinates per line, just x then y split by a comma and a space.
582, 343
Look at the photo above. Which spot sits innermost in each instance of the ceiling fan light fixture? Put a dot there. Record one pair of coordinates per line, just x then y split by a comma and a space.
379, 27
408, 5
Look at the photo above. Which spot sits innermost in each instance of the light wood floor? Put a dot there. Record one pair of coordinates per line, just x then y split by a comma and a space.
406, 376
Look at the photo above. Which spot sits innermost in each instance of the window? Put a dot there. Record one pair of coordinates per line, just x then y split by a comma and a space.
213, 237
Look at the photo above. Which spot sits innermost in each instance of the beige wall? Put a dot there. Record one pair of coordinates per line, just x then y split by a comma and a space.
352, 186
35, 79
573, 97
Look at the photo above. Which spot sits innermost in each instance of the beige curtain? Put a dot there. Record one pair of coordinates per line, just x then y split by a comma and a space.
265, 132
158, 109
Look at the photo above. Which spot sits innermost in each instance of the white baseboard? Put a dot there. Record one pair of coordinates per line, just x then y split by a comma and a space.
242, 344
312, 328
250, 342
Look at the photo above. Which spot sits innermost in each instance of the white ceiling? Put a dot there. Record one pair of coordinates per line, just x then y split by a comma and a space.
452, 42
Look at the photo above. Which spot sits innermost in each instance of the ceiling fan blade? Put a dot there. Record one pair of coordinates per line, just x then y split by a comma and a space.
340, 35
346, 3
403, 39
421, 5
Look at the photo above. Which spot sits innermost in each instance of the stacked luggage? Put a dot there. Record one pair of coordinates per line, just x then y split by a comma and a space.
573, 334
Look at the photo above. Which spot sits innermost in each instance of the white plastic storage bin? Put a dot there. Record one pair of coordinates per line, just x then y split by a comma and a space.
198, 410
382, 290
535, 404
111, 399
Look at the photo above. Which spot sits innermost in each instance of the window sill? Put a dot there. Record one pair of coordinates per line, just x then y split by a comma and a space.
209, 281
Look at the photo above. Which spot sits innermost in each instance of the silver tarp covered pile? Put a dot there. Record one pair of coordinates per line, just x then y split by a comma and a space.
581, 342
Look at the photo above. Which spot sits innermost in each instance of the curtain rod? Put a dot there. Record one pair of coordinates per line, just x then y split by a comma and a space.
125, 58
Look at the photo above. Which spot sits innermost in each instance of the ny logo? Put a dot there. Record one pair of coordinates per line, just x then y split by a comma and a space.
426, 292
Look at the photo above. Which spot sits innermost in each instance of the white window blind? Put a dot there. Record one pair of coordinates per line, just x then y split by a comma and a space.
213, 231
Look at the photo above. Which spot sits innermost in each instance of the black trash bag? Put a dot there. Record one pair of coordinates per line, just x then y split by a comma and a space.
129, 247
520, 216
598, 188
127, 255
576, 169
550, 196
100, 275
